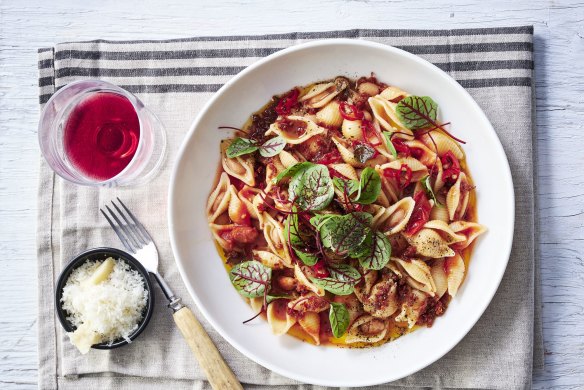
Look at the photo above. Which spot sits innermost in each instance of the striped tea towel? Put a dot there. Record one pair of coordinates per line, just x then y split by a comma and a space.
175, 78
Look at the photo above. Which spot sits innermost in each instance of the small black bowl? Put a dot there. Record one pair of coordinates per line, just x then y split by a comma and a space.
102, 254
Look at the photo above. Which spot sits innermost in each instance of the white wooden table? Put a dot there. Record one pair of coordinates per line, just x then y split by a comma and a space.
559, 62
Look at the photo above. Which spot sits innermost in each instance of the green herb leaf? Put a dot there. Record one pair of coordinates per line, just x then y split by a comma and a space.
342, 279
390, 146
251, 278
307, 258
292, 171
342, 233
240, 146
428, 188
363, 153
379, 253
272, 146
291, 230
312, 188
417, 112
364, 248
339, 318
369, 186
350, 186
319, 219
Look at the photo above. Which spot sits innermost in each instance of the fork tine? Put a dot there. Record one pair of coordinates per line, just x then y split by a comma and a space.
118, 232
138, 224
131, 226
124, 228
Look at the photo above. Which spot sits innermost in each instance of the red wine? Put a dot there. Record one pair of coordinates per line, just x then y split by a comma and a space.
101, 135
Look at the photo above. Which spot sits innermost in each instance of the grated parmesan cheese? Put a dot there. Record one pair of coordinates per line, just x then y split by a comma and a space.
103, 307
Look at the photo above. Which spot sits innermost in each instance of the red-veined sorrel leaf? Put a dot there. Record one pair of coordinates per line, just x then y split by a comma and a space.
240, 146
272, 147
312, 188
369, 186
341, 280
292, 171
417, 112
341, 233
379, 253
251, 278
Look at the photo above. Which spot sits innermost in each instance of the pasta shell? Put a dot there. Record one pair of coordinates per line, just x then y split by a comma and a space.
310, 323
320, 94
430, 243
218, 201
347, 155
449, 236
310, 302
352, 130
241, 167
455, 269
287, 159
439, 213
388, 190
427, 156
470, 231
457, 198
397, 216
378, 295
271, 173
366, 329
438, 141
245, 234
278, 318
391, 93
368, 88
420, 272
311, 129
440, 278
378, 213
247, 195
274, 236
303, 280
270, 260
419, 170
346, 170
330, 115
439, 180
412, 308
384, 112
237, 210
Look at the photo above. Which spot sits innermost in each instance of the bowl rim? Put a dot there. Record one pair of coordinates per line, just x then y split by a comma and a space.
76, 262
506, 178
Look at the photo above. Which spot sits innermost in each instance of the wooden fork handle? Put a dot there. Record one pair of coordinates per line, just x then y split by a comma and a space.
218, 372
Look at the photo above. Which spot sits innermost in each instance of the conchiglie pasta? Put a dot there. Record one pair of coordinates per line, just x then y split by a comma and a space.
330, 115
455, 269
219, 199
308, 129
241, 167
347, 155
320, 94
384, 113
397, 216
457, 198
469, 230
265, 223
352, 130
440, 142
430, 243
367, 329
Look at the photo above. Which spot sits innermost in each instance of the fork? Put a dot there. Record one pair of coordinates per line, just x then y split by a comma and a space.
138, 242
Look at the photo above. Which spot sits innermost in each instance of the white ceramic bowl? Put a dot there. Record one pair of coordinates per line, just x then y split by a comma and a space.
202, 269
